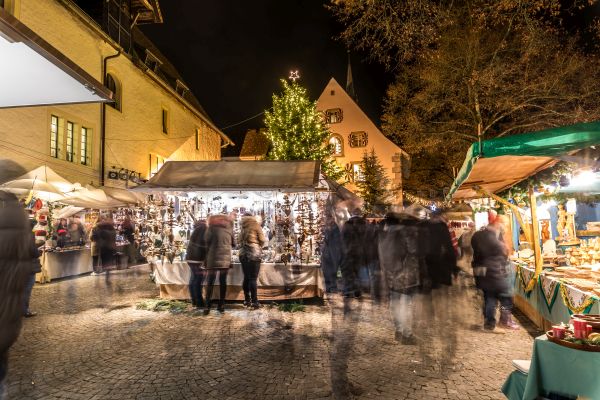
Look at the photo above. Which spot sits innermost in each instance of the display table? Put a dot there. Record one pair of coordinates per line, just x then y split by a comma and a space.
275, 281
61, 264
557, 369
551, 301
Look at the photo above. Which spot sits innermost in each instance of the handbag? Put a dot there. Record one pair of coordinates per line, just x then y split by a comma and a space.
251, 252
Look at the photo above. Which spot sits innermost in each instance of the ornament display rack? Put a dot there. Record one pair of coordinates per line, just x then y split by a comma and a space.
291, 222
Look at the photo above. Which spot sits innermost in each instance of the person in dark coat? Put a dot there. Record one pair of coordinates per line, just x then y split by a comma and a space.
36, 267
251, 242
105, 237
402, 261
128, 232
353, 239
18, 256
219, 242
491, 271
372, 260
441, 257
332, 254
195, 257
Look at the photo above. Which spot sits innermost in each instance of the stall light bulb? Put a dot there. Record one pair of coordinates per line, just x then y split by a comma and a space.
583, 178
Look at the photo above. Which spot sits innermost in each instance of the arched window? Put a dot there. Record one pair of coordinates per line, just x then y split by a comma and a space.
114, 86
336, 145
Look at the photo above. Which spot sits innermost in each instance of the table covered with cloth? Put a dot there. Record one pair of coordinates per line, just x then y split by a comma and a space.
275, 281
60, 264
72, 262
556, 369
552, 300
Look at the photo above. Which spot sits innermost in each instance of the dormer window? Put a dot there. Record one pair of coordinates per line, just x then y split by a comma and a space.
333, 116
181, 88
152, 61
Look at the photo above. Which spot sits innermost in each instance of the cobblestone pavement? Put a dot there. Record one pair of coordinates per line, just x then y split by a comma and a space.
90, 342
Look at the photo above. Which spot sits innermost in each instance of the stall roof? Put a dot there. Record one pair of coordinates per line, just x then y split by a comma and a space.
500, 163
35, 73
234, 175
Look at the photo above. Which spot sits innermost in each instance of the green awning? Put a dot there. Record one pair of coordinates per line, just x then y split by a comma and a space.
497, 164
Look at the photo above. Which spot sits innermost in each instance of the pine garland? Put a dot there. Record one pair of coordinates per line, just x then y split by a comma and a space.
565, 296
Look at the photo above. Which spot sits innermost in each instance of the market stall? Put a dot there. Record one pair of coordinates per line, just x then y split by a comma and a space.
556, 270
62, 214
544, 181
288, 196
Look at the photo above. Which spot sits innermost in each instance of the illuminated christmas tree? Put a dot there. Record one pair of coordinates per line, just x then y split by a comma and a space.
297, 130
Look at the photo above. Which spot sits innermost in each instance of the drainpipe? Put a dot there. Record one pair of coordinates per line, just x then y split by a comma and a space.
103, 122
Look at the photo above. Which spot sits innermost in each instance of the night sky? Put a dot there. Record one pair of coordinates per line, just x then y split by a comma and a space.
232, 54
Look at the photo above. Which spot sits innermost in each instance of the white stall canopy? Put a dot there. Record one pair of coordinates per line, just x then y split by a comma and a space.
235, 175
32, 72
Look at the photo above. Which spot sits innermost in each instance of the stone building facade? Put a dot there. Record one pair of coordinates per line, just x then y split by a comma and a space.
155, 117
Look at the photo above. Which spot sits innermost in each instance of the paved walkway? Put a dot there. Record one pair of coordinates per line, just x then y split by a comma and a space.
90, 342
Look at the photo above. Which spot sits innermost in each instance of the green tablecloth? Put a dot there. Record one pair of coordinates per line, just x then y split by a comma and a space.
557, 369
514, 387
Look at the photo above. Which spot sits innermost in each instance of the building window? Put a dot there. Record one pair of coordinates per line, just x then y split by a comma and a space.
114, 86
198, 138
181, 88
70, 142
358, 139
332, 93
54, 136
156, 162
336, 145
85, 149
357, 172
165, 121
152, 61
333, 116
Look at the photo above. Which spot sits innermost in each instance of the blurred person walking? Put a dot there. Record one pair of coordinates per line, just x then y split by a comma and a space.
128, 232
219, 242
372, 260
196, 257
493, 274
466, 251
353, 239
402, 260
332, 254
105, 237
251, 241
440, 253
18, 257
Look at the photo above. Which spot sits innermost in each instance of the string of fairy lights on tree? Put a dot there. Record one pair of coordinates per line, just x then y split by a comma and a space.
297, 130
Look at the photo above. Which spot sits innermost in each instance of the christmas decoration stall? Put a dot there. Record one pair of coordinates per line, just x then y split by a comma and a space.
547, 183
289, 198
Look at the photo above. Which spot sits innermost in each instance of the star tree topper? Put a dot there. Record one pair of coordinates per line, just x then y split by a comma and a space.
294, 75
